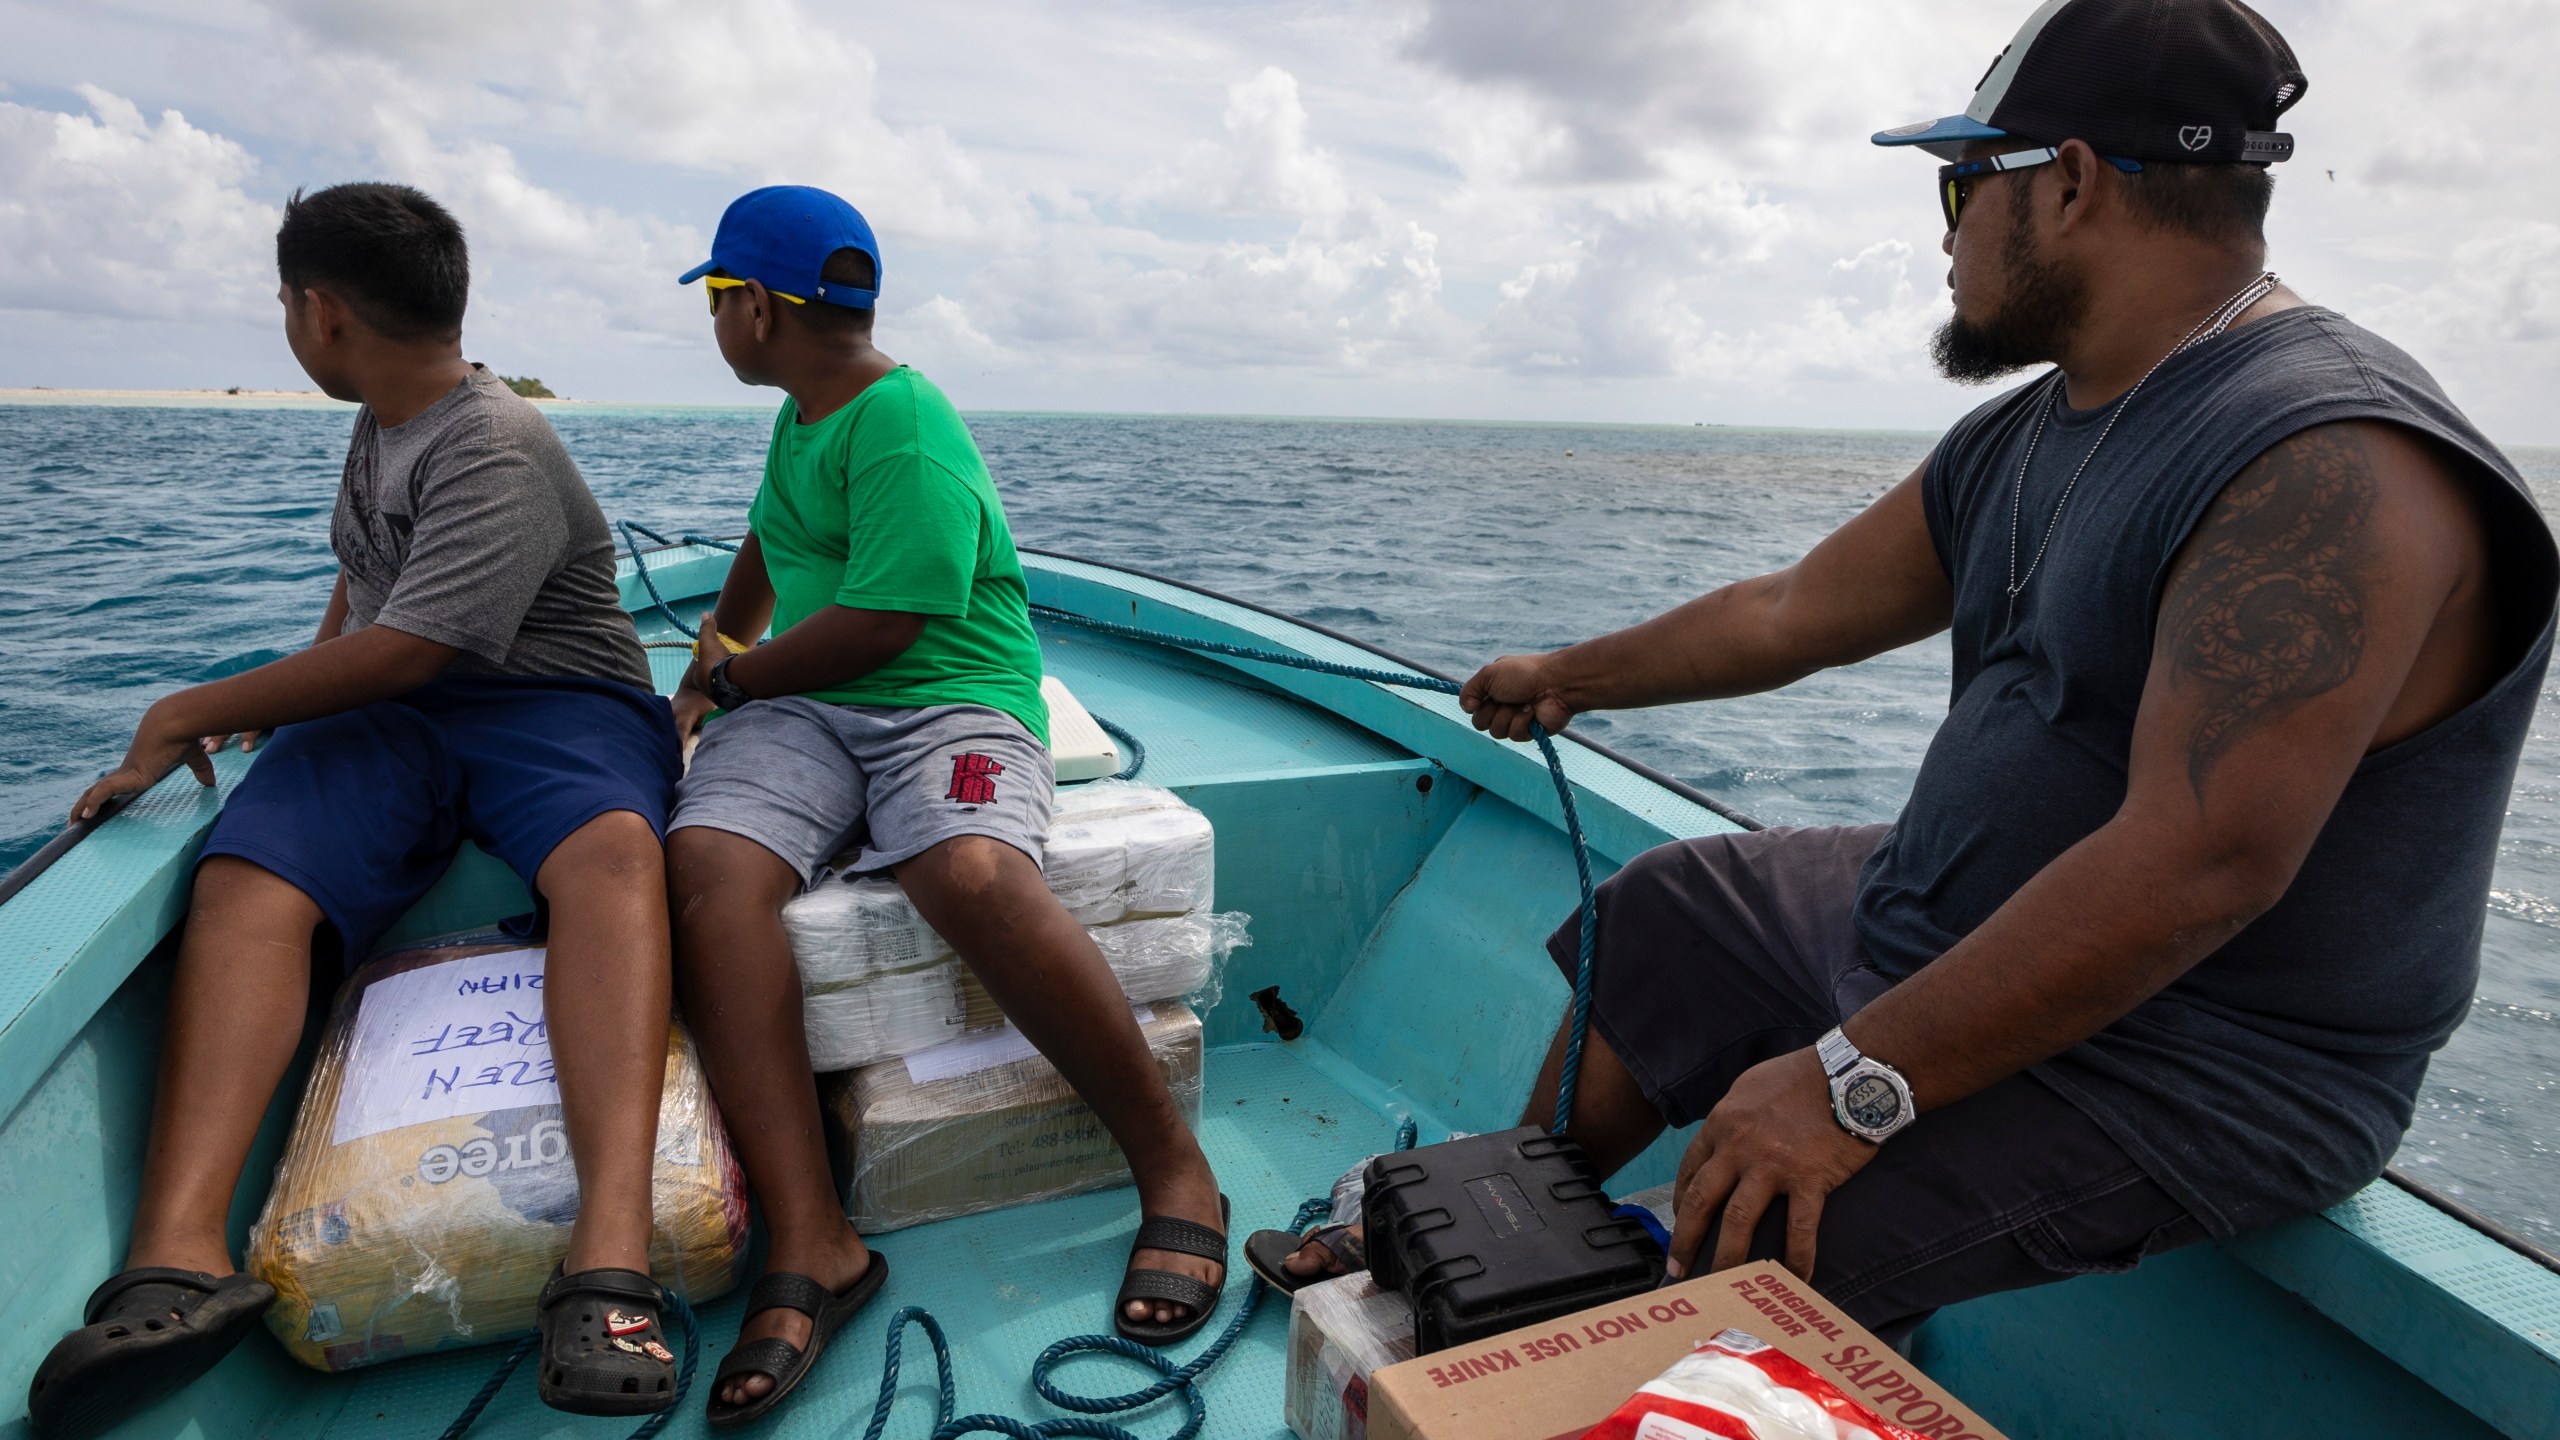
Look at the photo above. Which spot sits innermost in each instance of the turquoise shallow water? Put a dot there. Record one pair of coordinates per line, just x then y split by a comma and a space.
158, 547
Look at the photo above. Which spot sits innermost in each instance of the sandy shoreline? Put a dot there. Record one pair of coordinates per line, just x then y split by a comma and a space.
244, 396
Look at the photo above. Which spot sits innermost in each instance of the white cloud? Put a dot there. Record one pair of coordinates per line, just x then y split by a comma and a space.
111, 214
1348, 285
1265, 165
567, 269
2488, 323
1639, 291
1620, 209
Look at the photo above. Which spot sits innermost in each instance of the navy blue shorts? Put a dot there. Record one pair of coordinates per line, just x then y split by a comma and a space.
363, 810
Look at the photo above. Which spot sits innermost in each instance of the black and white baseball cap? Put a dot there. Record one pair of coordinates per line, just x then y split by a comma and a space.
2200, 81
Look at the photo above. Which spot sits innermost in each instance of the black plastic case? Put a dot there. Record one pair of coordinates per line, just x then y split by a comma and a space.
1497, 1231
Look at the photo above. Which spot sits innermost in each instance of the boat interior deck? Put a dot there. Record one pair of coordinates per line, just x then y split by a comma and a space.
1402, 874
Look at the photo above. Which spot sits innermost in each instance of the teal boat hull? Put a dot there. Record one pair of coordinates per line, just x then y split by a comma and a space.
1402, 872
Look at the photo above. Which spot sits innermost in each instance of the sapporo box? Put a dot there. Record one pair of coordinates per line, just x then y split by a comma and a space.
1554, 1380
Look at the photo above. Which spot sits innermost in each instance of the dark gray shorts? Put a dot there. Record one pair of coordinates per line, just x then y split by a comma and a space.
867, 786
1718, 953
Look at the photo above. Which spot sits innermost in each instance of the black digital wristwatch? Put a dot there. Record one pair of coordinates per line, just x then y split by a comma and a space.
724, 692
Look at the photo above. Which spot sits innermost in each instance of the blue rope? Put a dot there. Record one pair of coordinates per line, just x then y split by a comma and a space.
1182, 1380
517, 1352
631, 531
687, 538
684, 1369
490, 1387
1567, 1080
1172, 1379
1130, 745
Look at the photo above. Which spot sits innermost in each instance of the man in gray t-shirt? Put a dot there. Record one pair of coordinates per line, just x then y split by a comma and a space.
474, 677
470, 526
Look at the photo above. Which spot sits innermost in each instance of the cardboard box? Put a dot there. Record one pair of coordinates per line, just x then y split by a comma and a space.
1340, 1333
928, 1146
1555, 1380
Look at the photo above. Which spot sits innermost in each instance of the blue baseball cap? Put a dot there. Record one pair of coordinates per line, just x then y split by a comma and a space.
782, 235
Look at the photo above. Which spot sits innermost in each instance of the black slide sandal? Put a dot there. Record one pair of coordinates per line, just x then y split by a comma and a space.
604, 1349
785, 1363
1265, 1250
1183, 1237
148, 1333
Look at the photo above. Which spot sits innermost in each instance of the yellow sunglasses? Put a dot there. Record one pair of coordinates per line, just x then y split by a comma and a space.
712, 285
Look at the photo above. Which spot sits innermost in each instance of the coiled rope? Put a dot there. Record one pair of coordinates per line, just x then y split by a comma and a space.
1182, 1380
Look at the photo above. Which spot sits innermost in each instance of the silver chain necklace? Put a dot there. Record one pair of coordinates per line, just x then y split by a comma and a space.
2205, 329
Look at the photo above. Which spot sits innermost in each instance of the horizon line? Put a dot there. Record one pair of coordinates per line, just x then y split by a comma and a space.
246, 398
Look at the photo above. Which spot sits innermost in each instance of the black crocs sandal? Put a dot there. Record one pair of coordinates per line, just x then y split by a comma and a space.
1183, 1237
1265, 1250
604, 1350
785, 1363
145, 1333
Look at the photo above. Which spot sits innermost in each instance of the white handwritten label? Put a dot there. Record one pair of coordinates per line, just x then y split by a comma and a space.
1001, 1046
458, 1038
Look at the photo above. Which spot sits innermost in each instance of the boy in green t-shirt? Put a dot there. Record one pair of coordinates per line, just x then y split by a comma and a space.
897, 709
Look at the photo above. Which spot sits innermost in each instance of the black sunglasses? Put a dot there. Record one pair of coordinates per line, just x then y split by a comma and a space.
1955, 182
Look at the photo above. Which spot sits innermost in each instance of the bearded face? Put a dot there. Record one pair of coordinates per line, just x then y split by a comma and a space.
2041, 301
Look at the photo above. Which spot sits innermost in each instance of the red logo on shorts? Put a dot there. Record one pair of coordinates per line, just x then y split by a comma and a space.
973, 780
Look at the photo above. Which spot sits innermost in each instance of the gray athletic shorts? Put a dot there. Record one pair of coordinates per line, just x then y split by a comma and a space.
857, 788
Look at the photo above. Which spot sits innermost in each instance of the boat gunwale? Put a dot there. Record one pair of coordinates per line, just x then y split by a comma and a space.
1672, 783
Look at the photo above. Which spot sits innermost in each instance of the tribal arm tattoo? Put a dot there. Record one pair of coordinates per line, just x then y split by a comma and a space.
2268, 606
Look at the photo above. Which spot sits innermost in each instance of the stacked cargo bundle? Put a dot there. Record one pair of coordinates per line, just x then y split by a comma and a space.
944, 1109
986, 1123
1132, 863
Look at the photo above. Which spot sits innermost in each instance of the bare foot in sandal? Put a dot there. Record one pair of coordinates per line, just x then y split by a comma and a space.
1193, 1197
836, 1262
1327, 1254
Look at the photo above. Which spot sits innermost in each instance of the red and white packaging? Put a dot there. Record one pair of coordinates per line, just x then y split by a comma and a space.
1739, 1387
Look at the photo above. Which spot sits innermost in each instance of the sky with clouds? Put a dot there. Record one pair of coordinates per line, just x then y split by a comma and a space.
1645, 210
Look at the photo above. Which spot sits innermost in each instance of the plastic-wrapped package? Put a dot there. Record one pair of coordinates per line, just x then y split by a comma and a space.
1172, 863
848, 930
1657, 1200
986, 1122
1118, 849
1739, 1386
1170, 957
889, 1014
898, 1012
1340, 1332
427, 1192
1131, 862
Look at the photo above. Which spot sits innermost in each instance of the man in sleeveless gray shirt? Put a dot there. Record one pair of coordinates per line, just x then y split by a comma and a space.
2248, 623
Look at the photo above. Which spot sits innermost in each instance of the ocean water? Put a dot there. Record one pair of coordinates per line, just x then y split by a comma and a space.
160, 547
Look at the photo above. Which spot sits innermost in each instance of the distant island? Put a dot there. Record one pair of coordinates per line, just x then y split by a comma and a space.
225, 397
239, 396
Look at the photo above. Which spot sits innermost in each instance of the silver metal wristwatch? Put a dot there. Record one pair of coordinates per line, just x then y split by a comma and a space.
1869, 1098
